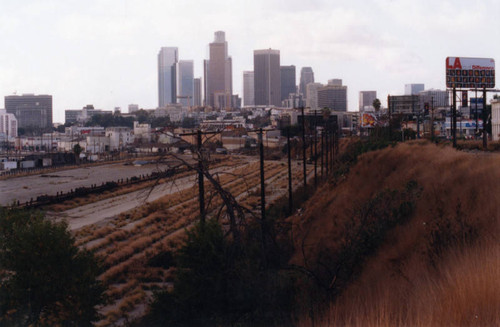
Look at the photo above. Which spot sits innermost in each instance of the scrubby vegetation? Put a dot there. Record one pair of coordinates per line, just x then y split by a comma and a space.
411, 264
399, 234
45, 280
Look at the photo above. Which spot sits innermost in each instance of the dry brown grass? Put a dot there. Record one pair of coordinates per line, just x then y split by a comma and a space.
462, 291
131, 239
424, 273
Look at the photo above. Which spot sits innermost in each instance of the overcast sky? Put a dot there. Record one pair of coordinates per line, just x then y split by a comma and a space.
104, 52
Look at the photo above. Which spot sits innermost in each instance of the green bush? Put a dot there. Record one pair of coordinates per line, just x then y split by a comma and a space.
45, 279
221, 283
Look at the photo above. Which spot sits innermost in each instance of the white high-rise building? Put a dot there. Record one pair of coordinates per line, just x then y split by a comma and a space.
197, 97
133, 108
248, 88
185, 82
306, 77
167, 60
312, 95
8, 124
434, 99
413, 89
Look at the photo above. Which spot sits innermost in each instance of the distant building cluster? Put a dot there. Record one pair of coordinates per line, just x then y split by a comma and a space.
273, 95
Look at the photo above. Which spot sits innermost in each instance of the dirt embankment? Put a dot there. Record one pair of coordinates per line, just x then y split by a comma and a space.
418, 208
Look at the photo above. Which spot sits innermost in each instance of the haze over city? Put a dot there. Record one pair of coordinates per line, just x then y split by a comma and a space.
105, 52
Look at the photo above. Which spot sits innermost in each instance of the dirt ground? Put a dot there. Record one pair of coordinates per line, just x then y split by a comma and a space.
24, 188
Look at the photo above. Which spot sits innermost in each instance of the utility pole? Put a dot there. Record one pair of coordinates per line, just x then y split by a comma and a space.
322, 148
389, 104
432, 119
262, 182
201, 186
304, 149
326, 148
315, 150
290, 190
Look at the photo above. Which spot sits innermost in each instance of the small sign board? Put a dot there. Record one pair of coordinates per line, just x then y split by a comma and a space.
472, 73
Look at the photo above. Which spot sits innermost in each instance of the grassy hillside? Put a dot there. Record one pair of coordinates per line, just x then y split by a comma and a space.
408, 237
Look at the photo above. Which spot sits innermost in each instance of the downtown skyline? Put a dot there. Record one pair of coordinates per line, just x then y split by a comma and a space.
104, 52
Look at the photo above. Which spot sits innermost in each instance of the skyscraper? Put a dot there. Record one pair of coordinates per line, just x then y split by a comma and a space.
31, 111
185, 82
267, 77
8, 124
218, 74
288, 85
366, 99
167, 60
306, 77
248, 88
312, 95
197, 92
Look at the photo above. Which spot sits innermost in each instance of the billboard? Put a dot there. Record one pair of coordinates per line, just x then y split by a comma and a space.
472, 73
368, 120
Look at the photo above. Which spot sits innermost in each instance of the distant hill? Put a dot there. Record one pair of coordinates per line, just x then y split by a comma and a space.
409, 236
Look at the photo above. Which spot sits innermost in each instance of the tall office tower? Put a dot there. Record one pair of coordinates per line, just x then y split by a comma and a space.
333, 96
312, 95
413, 89
366, 100
218, 73
197, 92
31, 111
248, 88
306, 77
167, 60
267, 77
184, 82
288, 85
8, 124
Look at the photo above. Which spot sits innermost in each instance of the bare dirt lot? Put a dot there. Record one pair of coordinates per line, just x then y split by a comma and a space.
24, 188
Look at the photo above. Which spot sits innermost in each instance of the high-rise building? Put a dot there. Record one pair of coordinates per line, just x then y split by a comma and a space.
335, 81
167, 60
248, 88
403, 104
8, 124
333, 96
218, 74
366, 99
267, 77
197, 92
31, 111
133, 108
306, 77
413, 89
184, 82
288, 85
434, 99
312, 95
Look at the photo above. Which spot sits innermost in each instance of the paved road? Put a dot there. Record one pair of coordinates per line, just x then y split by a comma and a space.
24, 188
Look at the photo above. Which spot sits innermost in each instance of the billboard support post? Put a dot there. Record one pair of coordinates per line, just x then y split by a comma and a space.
454, 118
485, 118
477, 119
